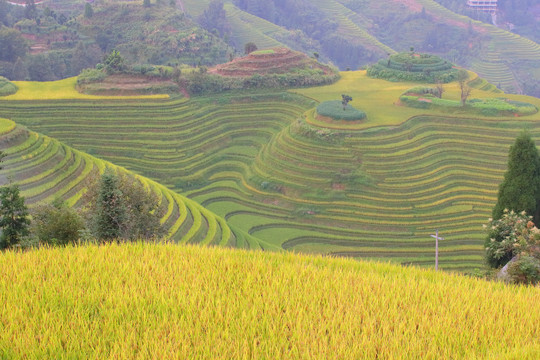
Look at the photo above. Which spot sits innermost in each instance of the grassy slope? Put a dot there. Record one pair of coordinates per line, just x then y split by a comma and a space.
164, 301
46, 169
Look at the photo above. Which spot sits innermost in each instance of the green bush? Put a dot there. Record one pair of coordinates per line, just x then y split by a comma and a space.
525, 270
413, 67
7, 87
334, 109
424, 98
88, 76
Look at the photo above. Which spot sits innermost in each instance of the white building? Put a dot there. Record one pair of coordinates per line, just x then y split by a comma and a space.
483, 5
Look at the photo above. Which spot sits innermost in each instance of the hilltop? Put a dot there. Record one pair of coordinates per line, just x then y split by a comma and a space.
271, 61
165, 301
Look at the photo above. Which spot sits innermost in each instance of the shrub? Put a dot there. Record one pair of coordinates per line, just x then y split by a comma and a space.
88, 76
514, 240
525, 270
7, 87
56, 224
413, 67
335, 110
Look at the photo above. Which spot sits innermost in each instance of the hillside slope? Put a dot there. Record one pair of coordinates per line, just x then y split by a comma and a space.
262, 161
166, 301
46, 169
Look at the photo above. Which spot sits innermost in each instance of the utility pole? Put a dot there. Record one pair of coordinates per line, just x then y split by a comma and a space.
437, 238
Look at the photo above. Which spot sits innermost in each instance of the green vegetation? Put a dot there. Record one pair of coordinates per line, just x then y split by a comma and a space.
110, 211
513, 240
14, 219
7, 87
54, 45
263, 52
414, 67
56, 224
335, 110
427, 98
48, 170
63, 89
520, 189
220, 303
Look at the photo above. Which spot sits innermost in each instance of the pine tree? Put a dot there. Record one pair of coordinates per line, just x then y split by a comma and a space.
14, 219
110, 209
520, 189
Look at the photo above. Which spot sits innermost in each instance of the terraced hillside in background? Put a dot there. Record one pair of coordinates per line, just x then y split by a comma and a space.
505, 59
250, 28
265, 164
47, 169
501, 55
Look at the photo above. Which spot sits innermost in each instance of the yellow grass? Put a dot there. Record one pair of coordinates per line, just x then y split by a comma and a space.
61, 90
380, 99
171, 302
6, 126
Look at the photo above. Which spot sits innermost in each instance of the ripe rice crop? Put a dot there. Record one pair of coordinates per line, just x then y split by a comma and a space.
61, 89
165, 301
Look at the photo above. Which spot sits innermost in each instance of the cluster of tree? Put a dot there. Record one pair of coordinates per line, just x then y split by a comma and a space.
513, 237
119, 208
214, 19
71, 44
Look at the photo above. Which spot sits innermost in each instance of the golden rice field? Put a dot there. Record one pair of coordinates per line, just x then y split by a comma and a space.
163, 301
61, 90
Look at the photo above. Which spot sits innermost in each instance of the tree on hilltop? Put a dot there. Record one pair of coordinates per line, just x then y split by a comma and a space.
250, 47
345, 99
114, 62
520, 189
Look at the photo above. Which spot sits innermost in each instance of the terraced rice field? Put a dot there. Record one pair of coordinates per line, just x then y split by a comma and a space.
376, 191
46, 169
245, 27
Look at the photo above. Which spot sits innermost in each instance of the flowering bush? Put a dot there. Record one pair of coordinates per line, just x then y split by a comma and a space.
514, 236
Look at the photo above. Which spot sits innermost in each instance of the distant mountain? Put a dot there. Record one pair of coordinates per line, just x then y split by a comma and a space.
353, 33
63, 37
